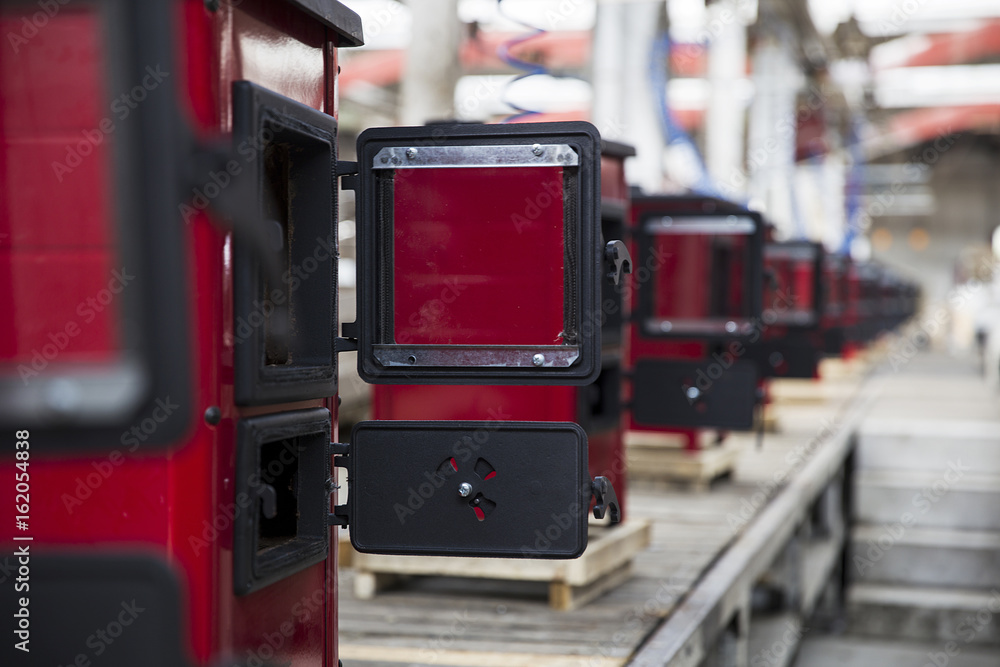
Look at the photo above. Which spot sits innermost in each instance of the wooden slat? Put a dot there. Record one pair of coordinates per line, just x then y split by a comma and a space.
612, 548
464, 658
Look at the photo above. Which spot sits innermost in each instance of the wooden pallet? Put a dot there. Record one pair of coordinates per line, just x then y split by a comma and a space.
605, 564
771, 420
662, 456
808, 392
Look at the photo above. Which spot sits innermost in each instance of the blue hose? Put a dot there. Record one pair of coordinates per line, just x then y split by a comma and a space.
672, 131
530, 69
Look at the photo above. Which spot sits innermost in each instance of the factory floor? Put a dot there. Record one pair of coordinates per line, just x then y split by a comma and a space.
950, 554
849, 651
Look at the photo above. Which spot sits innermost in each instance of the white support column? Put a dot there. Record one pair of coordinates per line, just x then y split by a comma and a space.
432, 67
771, 143
624, 107
608, 61
726, 115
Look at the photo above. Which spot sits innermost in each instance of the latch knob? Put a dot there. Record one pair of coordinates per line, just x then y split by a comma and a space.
619, 259
606, 499
268, 500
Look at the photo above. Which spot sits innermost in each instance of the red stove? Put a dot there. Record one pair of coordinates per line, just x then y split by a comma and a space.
696, 307
790, 344
597, 406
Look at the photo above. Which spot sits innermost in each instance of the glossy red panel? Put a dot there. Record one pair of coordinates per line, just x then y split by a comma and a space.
293, 622
703, 276
482, 402
58, 252
613, 185
790, 288
46, 208
467, 267
804, 282
73, 321
50, 74
853, 296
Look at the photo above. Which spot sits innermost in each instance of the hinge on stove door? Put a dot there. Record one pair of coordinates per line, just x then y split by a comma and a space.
347, 171
349, 341
340, 514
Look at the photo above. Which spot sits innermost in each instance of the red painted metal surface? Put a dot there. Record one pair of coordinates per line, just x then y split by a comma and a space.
790, 302
491, 402
789, 291
460, 276
279, 48
614, 188
701, 276
57, 245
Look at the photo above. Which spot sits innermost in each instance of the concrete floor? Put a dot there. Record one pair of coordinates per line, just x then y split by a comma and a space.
957, 393
862, 652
